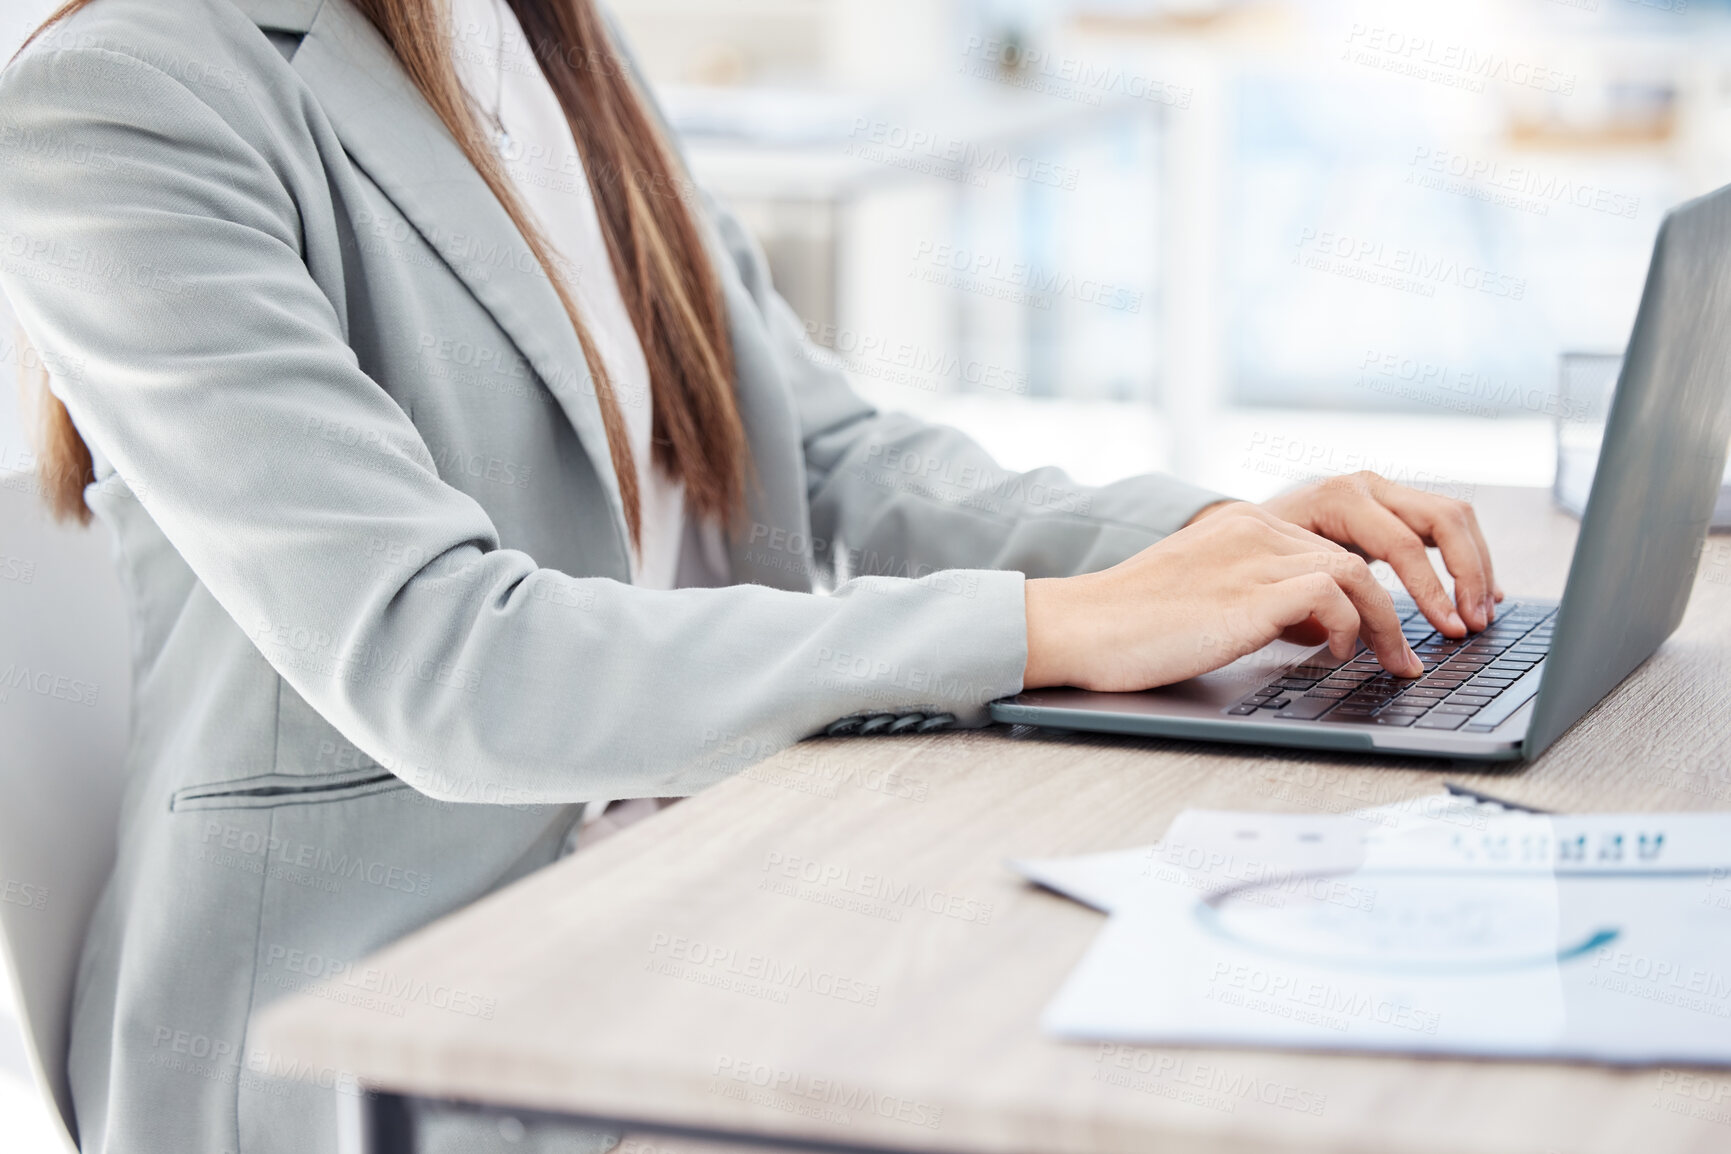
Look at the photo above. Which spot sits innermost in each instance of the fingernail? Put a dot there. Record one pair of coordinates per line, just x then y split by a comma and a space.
1455, 622
1413, 663
1490, 609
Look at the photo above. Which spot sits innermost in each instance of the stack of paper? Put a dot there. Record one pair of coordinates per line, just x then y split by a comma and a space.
1439, 927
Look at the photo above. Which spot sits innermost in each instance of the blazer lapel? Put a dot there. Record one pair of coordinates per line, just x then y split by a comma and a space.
400, 143
395, 137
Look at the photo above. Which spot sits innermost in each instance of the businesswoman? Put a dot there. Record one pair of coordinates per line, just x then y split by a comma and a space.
464, 468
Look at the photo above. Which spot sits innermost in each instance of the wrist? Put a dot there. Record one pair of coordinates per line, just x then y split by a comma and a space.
1048, 633
1212, 507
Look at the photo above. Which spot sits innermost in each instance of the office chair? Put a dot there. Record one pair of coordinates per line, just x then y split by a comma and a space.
65, 681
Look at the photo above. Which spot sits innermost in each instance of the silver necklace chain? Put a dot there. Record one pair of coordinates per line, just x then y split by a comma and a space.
501, 135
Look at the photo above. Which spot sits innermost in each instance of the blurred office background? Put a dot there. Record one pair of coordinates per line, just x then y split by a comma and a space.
1247, 241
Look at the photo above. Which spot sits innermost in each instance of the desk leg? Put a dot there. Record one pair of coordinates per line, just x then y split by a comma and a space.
374, 1122
379, 1122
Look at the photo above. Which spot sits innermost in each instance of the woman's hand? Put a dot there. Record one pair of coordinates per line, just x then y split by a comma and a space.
1389, 522
1223, 586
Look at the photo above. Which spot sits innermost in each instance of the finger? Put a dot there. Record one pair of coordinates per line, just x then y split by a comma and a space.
1258, 534
1378, 623
1306, 633
1452, 527
1316, 596
1490, 571
1385, 537
1296, 538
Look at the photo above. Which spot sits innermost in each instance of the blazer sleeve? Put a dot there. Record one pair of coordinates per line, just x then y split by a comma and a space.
206, 349
890, 494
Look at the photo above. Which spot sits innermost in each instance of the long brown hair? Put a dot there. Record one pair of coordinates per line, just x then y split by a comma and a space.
669, 286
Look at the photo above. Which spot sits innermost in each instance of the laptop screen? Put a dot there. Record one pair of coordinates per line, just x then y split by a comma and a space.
1658, 475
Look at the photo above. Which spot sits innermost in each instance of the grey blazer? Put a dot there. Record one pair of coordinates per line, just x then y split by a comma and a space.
384, 641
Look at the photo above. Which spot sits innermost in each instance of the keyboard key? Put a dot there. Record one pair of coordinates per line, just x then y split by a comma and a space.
1277, 703
1294, 683
1342, 682
1242, 710
1471, 698
1435, 720
1424, 691
1456, 707
1331, 694
1394, 719
1412, 709
1307, 708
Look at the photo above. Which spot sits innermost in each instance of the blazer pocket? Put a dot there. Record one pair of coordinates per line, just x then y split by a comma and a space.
274, 789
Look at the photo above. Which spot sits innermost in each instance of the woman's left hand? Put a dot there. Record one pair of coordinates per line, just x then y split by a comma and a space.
1388, 522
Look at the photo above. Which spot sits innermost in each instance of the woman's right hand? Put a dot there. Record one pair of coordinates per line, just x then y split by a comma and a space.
1222, 587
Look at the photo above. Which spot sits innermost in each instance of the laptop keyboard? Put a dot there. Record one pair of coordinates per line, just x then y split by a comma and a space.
1471, 684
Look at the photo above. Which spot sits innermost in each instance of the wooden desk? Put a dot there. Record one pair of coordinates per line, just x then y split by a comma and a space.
610, 1005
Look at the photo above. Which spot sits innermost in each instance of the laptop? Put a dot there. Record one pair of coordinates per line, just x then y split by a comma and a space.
1511, 690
